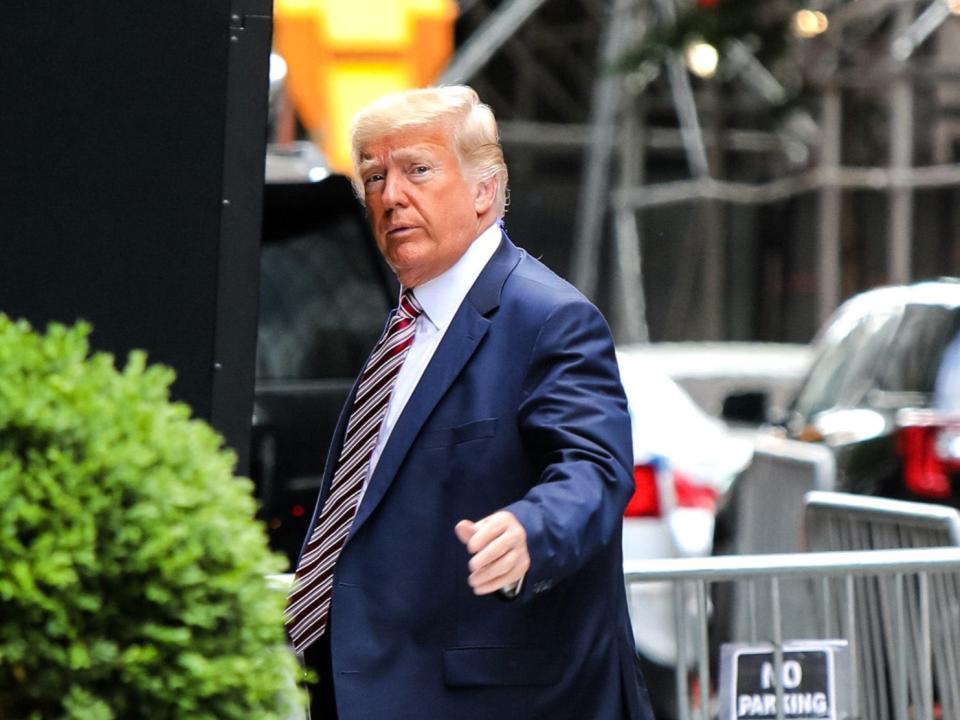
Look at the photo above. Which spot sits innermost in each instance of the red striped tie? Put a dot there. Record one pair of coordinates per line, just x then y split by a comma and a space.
309, 603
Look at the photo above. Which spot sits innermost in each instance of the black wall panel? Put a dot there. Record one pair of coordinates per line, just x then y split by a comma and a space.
131, 171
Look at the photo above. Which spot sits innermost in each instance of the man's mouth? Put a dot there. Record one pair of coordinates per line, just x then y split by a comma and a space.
399, 230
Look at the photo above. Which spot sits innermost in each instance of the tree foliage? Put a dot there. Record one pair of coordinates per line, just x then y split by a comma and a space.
132, 573
761, 24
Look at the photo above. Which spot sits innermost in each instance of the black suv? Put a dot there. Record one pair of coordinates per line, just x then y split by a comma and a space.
884, 392
324, 296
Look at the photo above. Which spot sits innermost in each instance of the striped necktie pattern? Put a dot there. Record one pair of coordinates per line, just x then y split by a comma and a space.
308, 606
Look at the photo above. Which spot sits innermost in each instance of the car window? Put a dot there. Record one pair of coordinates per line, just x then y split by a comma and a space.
845, 366
946, 389
322, 304
911, 363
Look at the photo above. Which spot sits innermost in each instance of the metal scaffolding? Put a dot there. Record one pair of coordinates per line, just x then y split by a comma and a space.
559, 97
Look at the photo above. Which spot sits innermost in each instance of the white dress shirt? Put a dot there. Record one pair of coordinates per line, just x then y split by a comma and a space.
440, 299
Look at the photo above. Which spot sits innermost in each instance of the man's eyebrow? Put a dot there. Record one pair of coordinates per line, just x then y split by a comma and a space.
366, 163
404, 154
414, 152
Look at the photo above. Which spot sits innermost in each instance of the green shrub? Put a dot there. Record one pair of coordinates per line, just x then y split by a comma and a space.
132, 572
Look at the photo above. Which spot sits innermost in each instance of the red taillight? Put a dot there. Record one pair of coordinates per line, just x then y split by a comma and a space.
691, 495
646, 498
930, 455
681, 490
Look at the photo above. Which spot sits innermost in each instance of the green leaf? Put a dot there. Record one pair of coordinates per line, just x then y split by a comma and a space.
132, 570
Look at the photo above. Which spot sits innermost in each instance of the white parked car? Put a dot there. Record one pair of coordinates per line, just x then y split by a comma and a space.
684, 462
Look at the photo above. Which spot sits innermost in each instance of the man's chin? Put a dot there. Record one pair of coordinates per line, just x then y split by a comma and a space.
409, 274
415, 274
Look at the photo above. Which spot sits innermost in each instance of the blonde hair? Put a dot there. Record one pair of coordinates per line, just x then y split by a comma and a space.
473, 128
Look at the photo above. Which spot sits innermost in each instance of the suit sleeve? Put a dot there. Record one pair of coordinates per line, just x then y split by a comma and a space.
575, 427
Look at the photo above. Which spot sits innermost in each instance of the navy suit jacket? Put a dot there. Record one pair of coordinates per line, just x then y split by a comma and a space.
520, 408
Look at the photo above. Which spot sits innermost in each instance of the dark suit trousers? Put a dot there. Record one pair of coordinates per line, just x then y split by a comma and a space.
317, 658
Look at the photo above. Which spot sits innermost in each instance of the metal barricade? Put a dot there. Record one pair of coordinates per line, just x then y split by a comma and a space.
842, 521
839, 521
913, 586
769, 494
768, 517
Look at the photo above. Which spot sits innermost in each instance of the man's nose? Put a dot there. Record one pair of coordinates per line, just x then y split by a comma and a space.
393, 193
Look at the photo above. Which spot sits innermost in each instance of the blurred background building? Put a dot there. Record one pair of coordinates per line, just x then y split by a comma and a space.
704, 169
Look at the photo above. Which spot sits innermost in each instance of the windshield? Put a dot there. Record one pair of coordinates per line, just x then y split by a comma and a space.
911, 362
885, 360
846, 365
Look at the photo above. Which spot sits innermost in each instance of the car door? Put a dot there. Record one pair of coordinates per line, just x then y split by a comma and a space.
324, 296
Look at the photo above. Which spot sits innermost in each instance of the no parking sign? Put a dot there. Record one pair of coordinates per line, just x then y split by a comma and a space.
814, 677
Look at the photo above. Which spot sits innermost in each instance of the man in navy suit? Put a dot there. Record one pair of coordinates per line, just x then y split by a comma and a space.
480, 574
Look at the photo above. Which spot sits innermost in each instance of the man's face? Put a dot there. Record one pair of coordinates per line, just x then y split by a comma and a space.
424, 212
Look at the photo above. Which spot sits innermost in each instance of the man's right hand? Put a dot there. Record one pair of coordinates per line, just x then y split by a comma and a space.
498, 544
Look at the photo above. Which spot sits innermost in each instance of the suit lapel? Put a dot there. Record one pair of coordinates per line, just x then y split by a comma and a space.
458, 345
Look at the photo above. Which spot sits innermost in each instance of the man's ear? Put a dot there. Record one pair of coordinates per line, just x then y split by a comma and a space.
486, 191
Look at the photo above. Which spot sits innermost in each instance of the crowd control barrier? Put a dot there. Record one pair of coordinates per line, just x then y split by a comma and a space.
839, 521
892, 666
769, 493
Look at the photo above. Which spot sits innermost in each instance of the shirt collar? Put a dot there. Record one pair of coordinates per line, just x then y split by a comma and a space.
441, 296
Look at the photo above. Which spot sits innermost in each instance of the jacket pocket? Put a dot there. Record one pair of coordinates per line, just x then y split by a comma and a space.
460, 433
501, 665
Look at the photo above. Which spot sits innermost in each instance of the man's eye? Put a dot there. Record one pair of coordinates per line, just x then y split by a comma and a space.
420, 169
373, 179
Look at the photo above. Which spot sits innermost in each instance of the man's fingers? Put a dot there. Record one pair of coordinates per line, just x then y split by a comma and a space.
493, 551
504, 571
498, 544
488, 529
476, 535
465, 530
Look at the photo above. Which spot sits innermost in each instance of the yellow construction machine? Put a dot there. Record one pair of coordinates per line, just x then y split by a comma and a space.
341, 54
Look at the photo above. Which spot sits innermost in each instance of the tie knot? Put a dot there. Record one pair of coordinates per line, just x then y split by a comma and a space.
409, 305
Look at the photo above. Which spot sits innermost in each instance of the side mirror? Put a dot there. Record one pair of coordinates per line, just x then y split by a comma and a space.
745, 407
